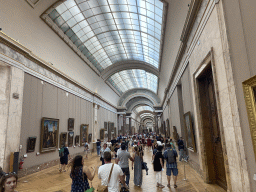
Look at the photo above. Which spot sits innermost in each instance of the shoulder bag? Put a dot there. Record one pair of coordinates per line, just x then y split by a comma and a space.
103, 188
88, 190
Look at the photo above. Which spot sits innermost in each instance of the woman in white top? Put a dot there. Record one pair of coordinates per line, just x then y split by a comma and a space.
102, 151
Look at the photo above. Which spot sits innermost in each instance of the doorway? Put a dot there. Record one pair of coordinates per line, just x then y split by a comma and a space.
211, 128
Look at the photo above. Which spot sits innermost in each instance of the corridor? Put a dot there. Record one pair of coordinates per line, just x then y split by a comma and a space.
51, 180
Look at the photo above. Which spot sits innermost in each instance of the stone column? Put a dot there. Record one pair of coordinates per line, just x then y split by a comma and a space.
95, 131
11, 99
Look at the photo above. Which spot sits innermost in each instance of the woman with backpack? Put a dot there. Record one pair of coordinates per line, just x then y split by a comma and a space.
64, 155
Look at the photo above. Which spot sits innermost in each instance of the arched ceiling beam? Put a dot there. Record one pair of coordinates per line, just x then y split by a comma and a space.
139, 103
147, 117
138, 92
124, 65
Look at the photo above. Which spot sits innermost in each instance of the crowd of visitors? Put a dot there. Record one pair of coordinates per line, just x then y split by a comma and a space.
124, 149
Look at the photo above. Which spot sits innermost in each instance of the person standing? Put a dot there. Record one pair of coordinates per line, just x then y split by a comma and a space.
123, 161
103, 150
98, 143
138, 159
80, 175
170, 155
181, 148
86, 149
64, 155
108, 178
158, 166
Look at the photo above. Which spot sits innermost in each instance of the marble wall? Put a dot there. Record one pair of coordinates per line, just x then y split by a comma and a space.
209, 36
12, 81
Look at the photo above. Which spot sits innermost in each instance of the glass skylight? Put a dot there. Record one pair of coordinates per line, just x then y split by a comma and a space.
146, 115
142, 108
110, 31
134, 78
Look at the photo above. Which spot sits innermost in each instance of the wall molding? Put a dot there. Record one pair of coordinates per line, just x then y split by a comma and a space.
186, 54
14, 54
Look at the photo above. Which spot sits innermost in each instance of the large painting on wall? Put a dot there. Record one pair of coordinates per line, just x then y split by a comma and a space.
250, 100
77, 140
70, 139
49, 134
190, 137
102, 134
71, 123
90, 138
83, 134
63, 139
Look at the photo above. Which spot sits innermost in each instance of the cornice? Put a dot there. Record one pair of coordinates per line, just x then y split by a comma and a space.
55, 73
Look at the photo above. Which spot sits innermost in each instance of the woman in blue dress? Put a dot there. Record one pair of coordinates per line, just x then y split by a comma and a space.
80, 175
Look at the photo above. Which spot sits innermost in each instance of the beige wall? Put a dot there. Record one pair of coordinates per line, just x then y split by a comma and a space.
23, 23
209, 33
45, 100
177, 11
241, 29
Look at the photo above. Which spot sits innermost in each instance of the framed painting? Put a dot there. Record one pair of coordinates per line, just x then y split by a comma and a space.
250, 101
63, 139
71, 123
106, 126
49, 134
90, 138
102, 134
31, 144
190, 137
70, 138
77, 140
83, 134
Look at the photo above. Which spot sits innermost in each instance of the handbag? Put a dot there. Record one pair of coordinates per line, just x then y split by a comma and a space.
103, 188
88, 190
143, 165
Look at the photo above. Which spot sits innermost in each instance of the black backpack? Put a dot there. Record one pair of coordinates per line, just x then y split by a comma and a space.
171, 158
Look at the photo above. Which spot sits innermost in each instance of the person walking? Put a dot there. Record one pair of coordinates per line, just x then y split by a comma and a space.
123, 161
181, 148
158, 166
86, 149
64, 155
98, 143
103, 150
80, 175
138, 159
170, 155
110, 174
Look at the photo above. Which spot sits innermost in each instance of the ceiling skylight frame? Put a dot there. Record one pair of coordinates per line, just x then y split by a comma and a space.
130, 35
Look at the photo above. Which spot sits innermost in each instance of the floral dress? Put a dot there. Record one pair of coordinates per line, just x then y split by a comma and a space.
79, 182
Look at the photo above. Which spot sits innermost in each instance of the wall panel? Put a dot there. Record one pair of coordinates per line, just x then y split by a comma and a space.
45, 100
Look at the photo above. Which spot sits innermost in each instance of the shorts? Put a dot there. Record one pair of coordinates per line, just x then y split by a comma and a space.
170, 171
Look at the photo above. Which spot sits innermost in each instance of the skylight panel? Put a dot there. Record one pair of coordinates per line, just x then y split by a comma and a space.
95, 26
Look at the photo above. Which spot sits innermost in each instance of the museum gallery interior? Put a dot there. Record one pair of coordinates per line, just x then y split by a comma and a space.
80, 70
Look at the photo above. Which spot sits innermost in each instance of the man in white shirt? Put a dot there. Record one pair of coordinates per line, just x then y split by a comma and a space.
117, 173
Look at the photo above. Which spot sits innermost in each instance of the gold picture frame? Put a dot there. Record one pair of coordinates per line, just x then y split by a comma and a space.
249, 87
84, 134
49, 134
190, 137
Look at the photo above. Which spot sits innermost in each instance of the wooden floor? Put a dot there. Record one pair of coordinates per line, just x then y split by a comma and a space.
50, 180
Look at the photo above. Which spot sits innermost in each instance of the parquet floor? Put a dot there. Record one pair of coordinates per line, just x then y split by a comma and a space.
50, 180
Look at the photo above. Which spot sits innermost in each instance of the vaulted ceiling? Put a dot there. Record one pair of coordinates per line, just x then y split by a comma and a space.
121, 39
